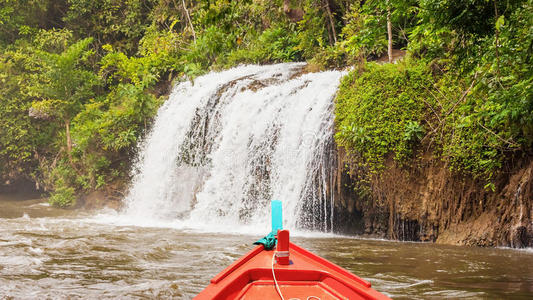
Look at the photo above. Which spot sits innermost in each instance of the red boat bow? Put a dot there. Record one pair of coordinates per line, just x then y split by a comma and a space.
294, 273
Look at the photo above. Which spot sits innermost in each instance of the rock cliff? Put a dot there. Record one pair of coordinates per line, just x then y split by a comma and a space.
428, 202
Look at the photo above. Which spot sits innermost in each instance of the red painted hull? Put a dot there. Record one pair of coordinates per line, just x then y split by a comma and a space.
307, 276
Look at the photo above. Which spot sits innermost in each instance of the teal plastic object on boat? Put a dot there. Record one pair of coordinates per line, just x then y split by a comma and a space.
277, 216
269, 241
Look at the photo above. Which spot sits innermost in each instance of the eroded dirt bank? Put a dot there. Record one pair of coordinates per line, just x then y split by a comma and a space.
427, 202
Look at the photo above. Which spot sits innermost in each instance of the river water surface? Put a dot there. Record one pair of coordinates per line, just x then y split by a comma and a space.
51, 253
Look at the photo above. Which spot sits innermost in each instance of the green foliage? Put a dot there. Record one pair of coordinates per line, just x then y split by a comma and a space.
414, 132
213, 43
478, 103
22, 140
51, 81
507, 76
114, 123
16, 134
312, 33
61, 81
364, 33
496, 118
63, 196
391, 109
470, 17
117, 22
24, 17
99, 65
140, 71
276, 44
62, 178
380, 111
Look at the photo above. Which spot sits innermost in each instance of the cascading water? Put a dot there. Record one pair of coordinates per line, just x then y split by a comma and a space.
222, 147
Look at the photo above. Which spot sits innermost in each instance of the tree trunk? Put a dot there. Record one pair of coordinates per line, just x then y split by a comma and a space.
69, 139
286, 6
295, 15
496, 40
331, 23
69, 146
189, 19
389, 33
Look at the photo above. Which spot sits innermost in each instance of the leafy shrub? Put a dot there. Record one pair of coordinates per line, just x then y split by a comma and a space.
363, 34
61, 179
276, 44
213, 42
121, 23
63, 196
413, 132
312, 33
380, 111
495, 119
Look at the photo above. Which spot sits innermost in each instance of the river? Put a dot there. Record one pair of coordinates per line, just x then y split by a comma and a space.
52, 253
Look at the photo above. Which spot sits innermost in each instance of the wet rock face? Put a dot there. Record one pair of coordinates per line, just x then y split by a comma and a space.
406, 230
427, 202
18, 185
522, 237
107, 198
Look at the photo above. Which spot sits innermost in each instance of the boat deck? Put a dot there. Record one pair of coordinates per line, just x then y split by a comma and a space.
306, 277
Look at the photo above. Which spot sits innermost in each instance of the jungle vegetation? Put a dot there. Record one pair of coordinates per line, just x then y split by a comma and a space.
82, 79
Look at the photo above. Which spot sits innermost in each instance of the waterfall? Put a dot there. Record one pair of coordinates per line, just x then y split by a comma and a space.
223, 146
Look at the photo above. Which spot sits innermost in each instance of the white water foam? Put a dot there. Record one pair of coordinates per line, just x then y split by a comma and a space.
220, 149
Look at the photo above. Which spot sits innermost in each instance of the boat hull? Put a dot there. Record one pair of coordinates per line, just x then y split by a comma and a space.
306, 276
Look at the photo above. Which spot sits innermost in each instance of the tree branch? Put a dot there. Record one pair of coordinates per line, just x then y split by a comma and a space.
512, 144
331, 22
462, 97
389, 33
189, 19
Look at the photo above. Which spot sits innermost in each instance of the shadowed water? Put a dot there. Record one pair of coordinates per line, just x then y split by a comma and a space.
45, 252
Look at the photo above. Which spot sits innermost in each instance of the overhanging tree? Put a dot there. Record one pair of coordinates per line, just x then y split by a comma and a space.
62, 85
